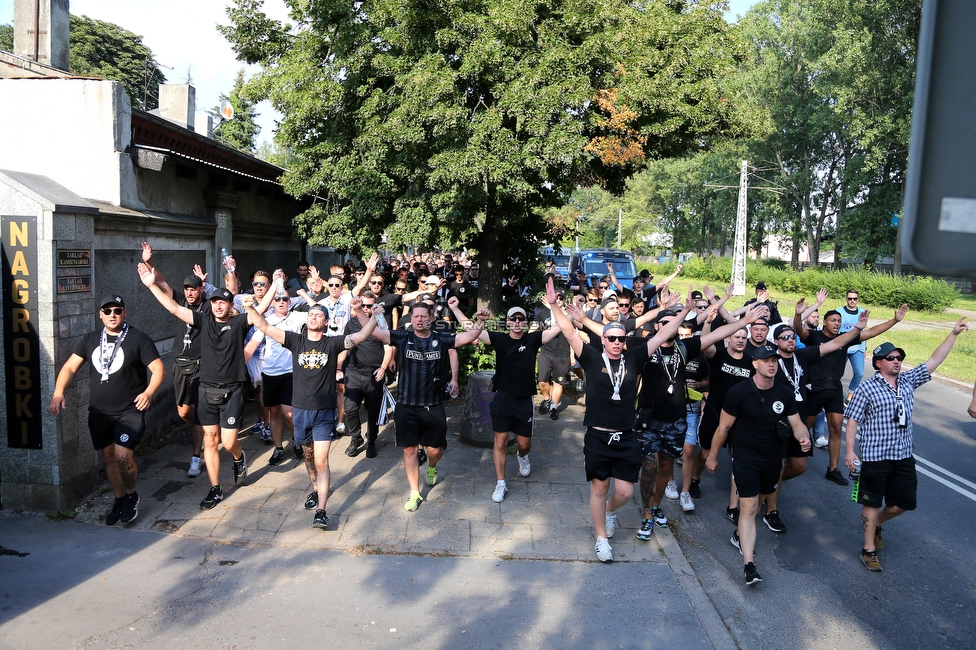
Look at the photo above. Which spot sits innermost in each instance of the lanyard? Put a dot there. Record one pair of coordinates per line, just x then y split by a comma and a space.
616, 378
793, 378
670, 367
103, 350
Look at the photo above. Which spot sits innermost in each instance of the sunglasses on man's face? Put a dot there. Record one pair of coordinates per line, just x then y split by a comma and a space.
604, 286
108, 311
404, 289
517, 319
376, 282
854, 298
334, 285
259, 283
891, 357
616, 339
592, 301
787, 337
282, 299
623, 304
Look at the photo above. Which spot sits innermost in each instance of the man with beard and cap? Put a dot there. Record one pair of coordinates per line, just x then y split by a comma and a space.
119, 393
825, 390
758, 332
222, 372
611, 449
758, 417
662, 412
793, 364
879, 420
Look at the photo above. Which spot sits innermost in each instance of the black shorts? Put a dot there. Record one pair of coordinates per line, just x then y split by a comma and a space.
753, 479
186, 381
226, 415
276, 389
515, 414
125, 429
895, 481
611, 455
830, 400
706, 427
420, 425
656, 436
553, 369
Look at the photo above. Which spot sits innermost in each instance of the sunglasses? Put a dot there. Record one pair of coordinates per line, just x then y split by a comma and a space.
592, 300
282, 299
517, 319
376, 282
108, 311
367, 306
854, 298
623, 304
615, 339
787, 337
334, 285
401, 289
604, 286
258, 283
890, 357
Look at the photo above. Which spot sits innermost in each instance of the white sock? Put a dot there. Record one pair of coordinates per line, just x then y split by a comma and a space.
502, 483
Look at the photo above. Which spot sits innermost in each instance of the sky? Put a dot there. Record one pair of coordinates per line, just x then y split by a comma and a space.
182, 35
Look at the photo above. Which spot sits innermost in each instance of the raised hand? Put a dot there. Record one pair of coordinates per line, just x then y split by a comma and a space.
198, 271
146, 252
900, 314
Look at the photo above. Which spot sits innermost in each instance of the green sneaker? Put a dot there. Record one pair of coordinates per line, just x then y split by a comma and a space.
413, 502
431, 475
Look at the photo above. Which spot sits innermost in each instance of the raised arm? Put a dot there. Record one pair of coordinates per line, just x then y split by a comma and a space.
667, 332
257, 319
363, 281
613, 277
565, 325
368, 328
714, 336
553, 330
148, 278
852, 334
942, 351
471, 335
671, 277
871, 332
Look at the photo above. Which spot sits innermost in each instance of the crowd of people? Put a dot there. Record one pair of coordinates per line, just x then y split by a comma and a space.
660, 376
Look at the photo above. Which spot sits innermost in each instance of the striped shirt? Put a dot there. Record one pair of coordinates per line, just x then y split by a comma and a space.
875, 408
419, 361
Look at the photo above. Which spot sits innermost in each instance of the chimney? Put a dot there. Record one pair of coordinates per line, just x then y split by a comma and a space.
177, 103
41, 31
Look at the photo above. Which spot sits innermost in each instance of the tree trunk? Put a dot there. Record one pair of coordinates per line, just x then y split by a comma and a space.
491, 264
896, 262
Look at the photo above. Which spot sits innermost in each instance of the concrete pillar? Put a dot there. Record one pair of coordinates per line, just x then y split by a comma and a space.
178, 103
221, 204
41, 31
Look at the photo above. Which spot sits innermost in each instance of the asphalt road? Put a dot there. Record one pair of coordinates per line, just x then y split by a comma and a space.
924, 598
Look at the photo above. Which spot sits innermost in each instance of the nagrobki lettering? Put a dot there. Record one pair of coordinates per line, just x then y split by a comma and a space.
313, 359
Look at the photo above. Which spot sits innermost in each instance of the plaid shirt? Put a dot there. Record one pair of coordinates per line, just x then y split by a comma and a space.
875, 408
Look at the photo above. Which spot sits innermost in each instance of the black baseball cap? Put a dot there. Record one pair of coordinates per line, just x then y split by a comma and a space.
112, 299
222, 294
764, 352
192, 281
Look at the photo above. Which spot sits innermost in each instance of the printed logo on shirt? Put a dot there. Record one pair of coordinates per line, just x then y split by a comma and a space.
313, 359
231, 421
116, 362
417, 355
777, 407
735, 371
124, 437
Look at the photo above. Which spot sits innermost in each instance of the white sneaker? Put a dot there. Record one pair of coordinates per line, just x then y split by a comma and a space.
821, 442
604, 552
671, 491
687, 503
194, 470
499, 494
611, 524
524, 465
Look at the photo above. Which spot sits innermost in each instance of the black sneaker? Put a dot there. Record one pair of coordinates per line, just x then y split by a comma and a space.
115, 514
734, 540
320, 520
695, 489
277, 456
544, 406
240, 469
130, 508
421, 455
752, 575
215, 496
370, 449
553, 414
836, 476
773, 522
732, 514
299, 452
355, 446
312, 501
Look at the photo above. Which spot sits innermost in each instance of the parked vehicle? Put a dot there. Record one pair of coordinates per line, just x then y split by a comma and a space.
593, 261
560, 258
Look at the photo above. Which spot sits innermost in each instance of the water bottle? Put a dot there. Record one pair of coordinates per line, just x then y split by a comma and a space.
280, 291
224, 256
856, 471
381, 322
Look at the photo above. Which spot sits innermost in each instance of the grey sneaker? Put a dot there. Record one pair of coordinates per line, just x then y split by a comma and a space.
671, 491
240, 469
604, 552
194, 470
611, 522
687, 503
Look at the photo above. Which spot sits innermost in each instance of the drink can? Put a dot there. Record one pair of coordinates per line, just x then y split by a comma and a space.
856, 471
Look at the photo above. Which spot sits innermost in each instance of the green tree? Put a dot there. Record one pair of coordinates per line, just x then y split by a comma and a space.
241, 132
464, 119
102, 49
7, 38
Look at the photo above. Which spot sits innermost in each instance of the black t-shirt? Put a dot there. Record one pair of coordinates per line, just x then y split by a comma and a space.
753, 436
655, 383
186, 338
557, 347
127, 376
601, 410
515, 362
419, 361
368, 355
314, 370
826, 374
726, 373
792, 373
222, 353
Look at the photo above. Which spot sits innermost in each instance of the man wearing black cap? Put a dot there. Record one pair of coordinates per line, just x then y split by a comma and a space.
758, 417
762, 297
222, 371
119, 393
879, 418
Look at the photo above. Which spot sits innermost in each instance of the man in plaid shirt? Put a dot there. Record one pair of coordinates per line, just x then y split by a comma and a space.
881, 411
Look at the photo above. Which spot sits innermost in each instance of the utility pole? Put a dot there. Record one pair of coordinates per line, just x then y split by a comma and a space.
620, 224
739, 254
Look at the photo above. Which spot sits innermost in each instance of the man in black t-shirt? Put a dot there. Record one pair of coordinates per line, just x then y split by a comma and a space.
757, 417
366, 369
421, 391
222, 372
118, 395
512, 408
611, 449
314, 395
553, 363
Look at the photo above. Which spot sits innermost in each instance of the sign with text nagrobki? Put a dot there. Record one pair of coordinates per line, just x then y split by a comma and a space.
21, 342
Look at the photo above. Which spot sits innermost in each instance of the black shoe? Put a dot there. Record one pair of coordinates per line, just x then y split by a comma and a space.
355, 446
370, 449
277, 456
752, 575
773, 523
299, 452
240, 469
732, 514
130, 508
320, 520
695, 489
312, 501
115, 514
836, 476
553, 414
421, 455
544, 406
215, 496
734, 540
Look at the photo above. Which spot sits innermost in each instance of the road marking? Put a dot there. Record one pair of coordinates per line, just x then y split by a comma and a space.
965, 493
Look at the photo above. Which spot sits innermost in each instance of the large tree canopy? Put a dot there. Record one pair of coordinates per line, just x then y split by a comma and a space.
466, 117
